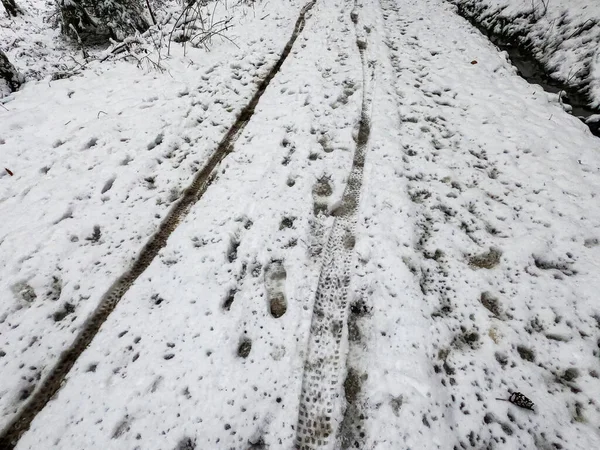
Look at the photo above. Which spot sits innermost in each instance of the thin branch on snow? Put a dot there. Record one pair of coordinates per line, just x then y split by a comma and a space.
581, 29
151, 12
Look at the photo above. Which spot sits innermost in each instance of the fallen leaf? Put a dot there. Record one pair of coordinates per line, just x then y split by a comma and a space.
473, 62
9, 172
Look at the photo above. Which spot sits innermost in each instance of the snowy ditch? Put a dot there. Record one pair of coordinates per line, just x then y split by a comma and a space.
518, 41
52, 382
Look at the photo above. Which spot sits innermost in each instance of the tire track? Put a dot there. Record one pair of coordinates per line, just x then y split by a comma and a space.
320, 408
352, 433
50, 385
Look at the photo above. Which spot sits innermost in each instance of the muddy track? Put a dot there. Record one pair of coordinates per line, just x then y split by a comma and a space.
320, 409
52, 382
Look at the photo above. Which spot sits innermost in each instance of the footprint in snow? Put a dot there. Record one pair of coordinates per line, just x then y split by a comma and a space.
275, 276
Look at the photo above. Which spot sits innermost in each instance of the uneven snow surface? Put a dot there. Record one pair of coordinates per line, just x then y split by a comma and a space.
405, 233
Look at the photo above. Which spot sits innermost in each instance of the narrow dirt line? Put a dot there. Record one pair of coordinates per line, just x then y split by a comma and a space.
320, 409
52, 382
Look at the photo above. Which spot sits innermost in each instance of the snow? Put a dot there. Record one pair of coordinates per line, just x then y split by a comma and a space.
562, 34
471, 257
486, 167
110, 150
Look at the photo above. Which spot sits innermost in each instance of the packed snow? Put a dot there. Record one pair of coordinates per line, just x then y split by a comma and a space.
405, 234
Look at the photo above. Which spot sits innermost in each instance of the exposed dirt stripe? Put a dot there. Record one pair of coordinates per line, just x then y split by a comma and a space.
319, 414
51, 384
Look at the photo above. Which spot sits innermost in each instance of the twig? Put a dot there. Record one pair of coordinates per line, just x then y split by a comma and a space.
167, 18
85, 54
199, 26
77, 62
580, 30
207, 35
562, 91
213, 14
171, 34
151, 12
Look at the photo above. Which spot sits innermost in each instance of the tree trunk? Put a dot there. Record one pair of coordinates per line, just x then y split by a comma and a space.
9, 77
11, 8
95, 21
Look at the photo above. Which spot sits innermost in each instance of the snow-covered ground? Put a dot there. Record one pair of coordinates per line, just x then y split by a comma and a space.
406, 291
98, 160
471, 162
561, 34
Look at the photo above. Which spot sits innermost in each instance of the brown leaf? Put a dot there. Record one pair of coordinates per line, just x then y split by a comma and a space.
9, 172
473, 62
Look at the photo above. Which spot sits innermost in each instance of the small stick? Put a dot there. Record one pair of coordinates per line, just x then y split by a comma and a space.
151, 12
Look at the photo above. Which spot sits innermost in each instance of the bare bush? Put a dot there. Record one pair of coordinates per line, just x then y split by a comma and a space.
197, 25
146, 51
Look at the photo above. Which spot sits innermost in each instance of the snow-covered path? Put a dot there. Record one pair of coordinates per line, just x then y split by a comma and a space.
404, 232
494, 226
